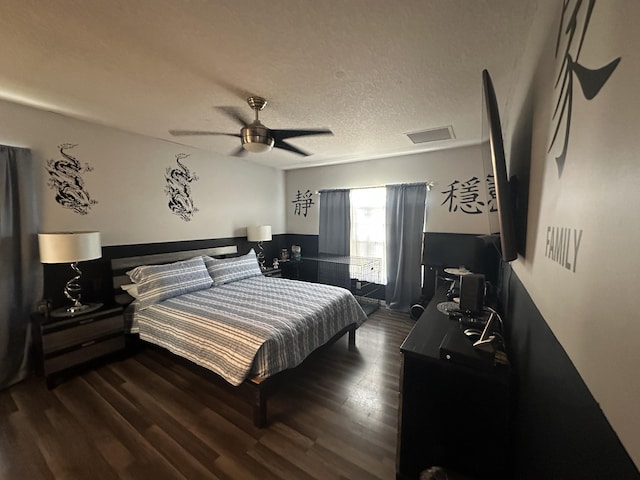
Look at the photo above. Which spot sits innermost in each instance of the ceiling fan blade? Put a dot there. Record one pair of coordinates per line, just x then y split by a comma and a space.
287, 146
183, 133
239, 152
283, 134
235, 114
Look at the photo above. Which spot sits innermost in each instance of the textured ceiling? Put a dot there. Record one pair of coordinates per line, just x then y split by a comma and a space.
370, 70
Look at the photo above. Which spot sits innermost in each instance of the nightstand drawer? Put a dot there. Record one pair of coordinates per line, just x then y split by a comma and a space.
83, 353
84, 330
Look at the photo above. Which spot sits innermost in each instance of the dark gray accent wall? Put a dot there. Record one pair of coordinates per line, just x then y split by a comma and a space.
478, 253
559, 430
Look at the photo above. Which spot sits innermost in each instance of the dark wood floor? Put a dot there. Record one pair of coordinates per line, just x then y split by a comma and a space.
152, 416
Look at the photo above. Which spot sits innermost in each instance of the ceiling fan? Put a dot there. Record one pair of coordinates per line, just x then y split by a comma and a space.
255, 137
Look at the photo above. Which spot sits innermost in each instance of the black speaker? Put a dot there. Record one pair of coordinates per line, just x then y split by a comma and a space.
416, 311
418, 308
430, 281
472, 293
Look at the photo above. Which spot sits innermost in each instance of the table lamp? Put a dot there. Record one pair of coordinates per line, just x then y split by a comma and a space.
71, 247
259, 233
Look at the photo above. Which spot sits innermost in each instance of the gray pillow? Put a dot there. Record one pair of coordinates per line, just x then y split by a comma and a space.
227, 270
160, 282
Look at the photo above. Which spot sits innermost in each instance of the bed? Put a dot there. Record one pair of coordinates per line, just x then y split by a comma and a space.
223, 315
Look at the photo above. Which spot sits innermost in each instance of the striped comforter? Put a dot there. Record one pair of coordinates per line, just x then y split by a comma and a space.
258, 326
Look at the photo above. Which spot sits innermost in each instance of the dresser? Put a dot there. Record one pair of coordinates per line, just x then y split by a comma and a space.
62, 343
454, 411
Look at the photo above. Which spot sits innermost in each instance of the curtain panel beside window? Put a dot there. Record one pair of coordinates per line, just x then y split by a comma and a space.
21, 272
333, 238
406, 205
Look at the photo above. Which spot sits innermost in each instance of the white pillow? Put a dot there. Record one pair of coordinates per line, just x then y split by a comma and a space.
160, 282
131, 289
227, 270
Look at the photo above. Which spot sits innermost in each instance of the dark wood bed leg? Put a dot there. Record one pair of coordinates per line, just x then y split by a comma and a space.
259, 405
352, 338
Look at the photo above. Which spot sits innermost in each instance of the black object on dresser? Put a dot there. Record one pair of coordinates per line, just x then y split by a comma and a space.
453, 415
64, 343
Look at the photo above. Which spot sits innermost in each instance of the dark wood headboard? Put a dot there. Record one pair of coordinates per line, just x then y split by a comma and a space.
120, 266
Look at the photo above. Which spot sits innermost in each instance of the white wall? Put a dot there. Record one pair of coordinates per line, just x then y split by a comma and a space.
592, 310
442, 167
128, 181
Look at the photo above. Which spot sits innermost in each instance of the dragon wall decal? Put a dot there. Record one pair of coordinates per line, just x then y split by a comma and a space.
65, 179
178, 188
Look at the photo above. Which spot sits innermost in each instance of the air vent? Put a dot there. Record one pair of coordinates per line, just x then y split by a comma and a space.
433, 135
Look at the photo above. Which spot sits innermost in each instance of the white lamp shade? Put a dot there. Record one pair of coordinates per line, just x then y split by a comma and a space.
259, 233
69, 247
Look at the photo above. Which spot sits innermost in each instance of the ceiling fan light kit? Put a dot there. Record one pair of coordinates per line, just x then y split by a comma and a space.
256, 144
254, 136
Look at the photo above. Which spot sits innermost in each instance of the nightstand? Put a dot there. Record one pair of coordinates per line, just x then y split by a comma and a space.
291, 269
62, 343
272, 272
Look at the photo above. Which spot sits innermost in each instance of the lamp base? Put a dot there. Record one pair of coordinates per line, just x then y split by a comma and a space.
74, 310
260, 256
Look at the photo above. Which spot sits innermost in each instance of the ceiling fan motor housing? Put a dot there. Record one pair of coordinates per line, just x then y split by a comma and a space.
256, 138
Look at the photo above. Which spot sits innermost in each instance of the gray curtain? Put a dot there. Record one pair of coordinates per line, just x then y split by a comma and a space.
20, 270
334, 238
405, 221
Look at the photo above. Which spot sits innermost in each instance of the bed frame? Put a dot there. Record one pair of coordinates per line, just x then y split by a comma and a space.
257, 389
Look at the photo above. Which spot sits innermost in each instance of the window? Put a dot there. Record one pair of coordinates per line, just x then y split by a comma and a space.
368, 232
